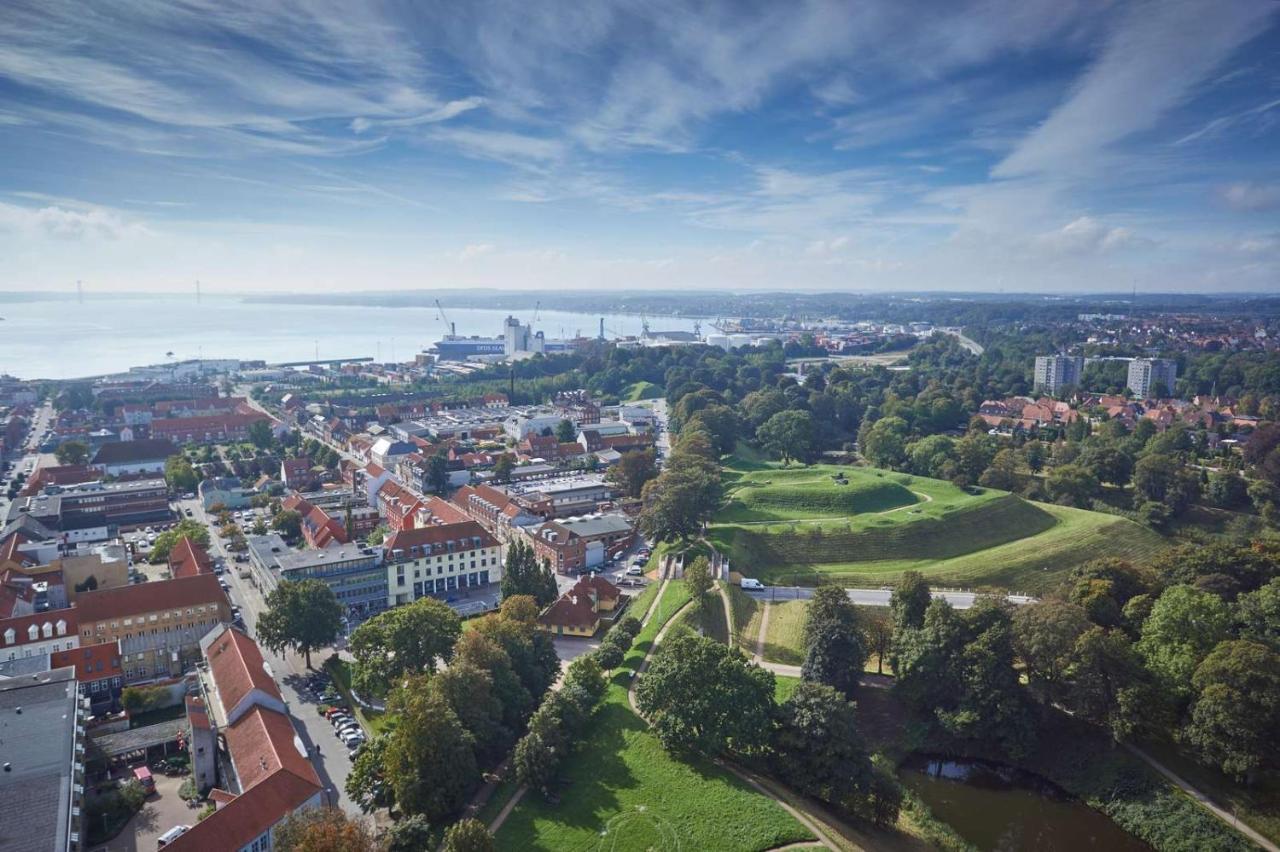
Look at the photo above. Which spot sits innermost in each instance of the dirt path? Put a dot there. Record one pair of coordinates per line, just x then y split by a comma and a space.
1204, 801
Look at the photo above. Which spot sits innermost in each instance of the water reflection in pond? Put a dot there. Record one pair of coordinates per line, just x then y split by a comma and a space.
1000, 808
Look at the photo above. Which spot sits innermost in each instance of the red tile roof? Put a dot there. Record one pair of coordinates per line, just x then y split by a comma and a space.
570, 611
604, 590
261, 742
187, 559
238, 668
435, 536
245, 818
22, 623
92, 662
178, 593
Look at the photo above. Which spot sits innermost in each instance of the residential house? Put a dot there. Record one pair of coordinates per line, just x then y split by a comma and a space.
578, 611
296, 472
494, 509
207, 429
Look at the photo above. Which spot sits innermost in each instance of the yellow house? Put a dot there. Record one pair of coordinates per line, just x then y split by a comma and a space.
577, 612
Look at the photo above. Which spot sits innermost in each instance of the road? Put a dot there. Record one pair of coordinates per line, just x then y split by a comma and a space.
30, 459
873, 597
332, 763
972, 346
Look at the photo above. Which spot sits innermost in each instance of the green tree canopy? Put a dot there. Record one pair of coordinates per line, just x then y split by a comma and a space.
1235, 718
817, 747
522, 574
1183, 627
430, 758
72, 452
700, 695
301, 615
407, 640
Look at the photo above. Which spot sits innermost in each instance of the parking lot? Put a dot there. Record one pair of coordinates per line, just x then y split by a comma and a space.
162, 811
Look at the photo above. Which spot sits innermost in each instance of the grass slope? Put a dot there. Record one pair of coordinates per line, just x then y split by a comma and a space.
637, 391
747, 614
784, 641
986, 538
806, 493
623, 791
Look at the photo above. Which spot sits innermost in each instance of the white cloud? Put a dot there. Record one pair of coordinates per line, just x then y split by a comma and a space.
61, 222
476, 250
1151, 62
513, 148
1251, 196
1087, 235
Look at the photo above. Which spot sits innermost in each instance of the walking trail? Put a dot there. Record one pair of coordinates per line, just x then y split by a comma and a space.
1204, 801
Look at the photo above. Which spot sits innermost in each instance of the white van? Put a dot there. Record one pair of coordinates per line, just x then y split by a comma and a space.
172, 835
752, 585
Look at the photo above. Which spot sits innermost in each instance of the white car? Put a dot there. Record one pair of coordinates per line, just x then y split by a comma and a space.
635, 571
171, 835
752, 585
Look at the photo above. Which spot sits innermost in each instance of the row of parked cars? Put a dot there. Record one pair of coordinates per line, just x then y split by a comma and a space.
345, 725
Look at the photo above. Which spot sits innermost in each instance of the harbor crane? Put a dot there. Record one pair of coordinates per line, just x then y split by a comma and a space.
453, 330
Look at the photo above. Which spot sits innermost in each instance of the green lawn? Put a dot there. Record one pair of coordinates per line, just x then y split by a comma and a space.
783, 686
637, 391
784, 643
747, 613
986, 538
622, 791
372, 720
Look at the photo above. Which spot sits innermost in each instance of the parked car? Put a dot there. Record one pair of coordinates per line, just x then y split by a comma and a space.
635, 571
171, 835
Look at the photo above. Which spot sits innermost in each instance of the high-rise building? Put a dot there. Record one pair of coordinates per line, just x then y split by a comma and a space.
1146, 373
1055, 372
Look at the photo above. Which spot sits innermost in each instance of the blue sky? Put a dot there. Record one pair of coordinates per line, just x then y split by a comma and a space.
1030, 145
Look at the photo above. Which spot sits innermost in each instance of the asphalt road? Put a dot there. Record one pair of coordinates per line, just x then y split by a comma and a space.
873, 597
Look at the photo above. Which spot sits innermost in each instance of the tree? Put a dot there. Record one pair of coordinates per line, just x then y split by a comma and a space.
523, 575
538, 755
834, 650
260, 434
410, 834
632, 470
366, 782
789, 435
721, 422
1184, 626
675, 504
1072, 485
1109, 685
1227, 490
407, 640
179, 474
502, 467
531, 652
322, 830
72, 453
910, 599
289, 524
484, 652
566, 432
878, 638
1044, 636
468, 690
1108, 464
1003, 472
957, 670
377, 535
1258, 614
697, 578
883, 443
185, 528
1235, 719
302, 615
468, 835
438, 473
700, 695
817, 747
1163, 479
522, 608
430, 758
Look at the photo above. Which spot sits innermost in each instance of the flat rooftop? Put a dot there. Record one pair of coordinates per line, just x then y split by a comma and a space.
37, 740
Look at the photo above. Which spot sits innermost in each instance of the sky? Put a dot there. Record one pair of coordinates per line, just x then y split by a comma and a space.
1020, 145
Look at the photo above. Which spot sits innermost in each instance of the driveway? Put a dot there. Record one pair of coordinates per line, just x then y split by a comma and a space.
162, 812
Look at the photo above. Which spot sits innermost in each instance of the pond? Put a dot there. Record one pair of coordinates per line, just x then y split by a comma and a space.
997, 807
